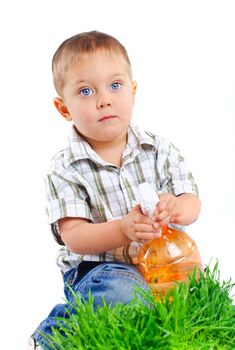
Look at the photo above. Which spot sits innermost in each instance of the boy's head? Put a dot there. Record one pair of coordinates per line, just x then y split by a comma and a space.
92, 75
77, 48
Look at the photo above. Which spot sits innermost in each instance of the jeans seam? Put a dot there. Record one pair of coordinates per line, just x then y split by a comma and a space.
120, 273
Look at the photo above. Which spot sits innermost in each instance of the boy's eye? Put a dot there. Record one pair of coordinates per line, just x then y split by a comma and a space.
86, 92
115, 86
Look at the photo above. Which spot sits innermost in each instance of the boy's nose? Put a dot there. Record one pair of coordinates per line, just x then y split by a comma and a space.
103, 101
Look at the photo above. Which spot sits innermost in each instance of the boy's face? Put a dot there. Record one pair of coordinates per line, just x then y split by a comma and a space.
98, 97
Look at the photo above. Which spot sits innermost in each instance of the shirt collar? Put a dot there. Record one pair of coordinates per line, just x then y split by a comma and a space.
78, 148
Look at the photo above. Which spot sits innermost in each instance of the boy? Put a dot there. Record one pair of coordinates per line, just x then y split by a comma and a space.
93, 183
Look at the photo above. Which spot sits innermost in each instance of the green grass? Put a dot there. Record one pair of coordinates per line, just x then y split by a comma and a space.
199, 315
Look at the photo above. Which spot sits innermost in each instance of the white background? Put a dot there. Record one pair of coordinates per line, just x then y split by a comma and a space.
183, 58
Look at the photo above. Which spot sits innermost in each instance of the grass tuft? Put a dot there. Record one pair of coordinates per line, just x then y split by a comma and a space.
199, 315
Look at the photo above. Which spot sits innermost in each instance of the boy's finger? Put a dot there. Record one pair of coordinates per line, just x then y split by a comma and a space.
147, 236
166, 220
161, 217
143, 219
156, 226
143, 228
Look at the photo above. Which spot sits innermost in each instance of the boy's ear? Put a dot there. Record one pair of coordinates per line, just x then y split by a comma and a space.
61, 107
134, 87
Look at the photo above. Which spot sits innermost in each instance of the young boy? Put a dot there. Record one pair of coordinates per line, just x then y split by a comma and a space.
92, 185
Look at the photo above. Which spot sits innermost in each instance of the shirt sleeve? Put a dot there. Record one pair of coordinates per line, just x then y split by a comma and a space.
64, 199
175, 175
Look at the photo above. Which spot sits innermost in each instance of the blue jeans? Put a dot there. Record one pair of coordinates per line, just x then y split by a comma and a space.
113, 282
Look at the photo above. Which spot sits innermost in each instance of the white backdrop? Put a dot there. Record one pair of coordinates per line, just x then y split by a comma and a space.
183, 58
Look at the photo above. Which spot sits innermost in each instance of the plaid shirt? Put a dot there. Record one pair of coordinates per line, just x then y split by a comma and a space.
81, 184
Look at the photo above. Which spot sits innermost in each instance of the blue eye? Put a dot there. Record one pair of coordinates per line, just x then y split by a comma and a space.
115, 86
86, 92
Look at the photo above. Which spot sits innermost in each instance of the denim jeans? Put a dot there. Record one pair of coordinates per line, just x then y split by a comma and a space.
113, 282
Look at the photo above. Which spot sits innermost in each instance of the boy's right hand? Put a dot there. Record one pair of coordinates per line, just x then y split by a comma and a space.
138, 227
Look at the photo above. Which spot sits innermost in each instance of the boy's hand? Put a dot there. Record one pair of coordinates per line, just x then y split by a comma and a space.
138, 227
167, 209
183, 209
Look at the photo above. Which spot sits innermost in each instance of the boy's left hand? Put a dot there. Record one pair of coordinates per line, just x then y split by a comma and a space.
169, 209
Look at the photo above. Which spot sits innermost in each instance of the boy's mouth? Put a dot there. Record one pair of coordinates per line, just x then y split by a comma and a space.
107, 117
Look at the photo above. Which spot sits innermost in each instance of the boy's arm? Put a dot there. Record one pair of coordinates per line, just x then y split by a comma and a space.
83, 237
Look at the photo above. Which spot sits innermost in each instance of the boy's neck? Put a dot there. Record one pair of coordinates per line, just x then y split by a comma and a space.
110, 151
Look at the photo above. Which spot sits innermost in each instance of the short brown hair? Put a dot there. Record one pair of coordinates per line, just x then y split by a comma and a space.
74, 49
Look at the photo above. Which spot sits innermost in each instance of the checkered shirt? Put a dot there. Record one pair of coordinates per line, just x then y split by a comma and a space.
81, 184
